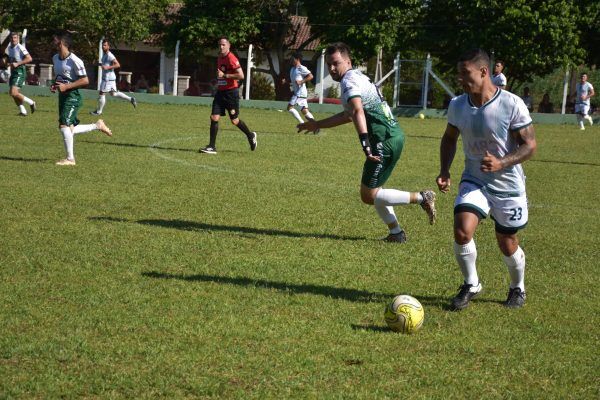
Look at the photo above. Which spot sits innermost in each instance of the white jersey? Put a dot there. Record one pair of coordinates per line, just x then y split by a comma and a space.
16, 53
584, 89
296, 74
70, 69
488, 128
499, 80
107, 60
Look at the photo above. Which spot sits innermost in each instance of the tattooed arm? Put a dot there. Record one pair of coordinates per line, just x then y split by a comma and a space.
527, 146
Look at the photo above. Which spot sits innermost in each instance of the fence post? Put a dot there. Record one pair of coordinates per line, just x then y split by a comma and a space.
321, 75
162, 73
426, 81
99, 64
396, 99
248, 72
565, 91
176, 68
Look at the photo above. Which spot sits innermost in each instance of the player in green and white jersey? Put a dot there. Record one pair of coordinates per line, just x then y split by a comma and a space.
18, 56
70, 76
380, 136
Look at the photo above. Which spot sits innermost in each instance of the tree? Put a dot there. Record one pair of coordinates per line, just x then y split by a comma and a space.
531, 37
122, 21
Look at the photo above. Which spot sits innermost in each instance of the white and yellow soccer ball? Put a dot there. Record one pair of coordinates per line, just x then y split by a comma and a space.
404, 314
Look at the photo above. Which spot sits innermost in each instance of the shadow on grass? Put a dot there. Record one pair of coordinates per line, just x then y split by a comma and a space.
362, 296
565, 162
199, 227
24, 159
141, 146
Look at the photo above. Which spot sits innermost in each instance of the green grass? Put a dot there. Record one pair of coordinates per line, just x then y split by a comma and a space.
149, 270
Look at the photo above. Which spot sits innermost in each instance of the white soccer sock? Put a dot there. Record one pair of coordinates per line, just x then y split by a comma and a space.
516, 269
387, 215
22, 109
466, 256
68, 141
122, 96
589, 118
101, 103
391, 197
296, 115
84, 128
28, 100
309, 115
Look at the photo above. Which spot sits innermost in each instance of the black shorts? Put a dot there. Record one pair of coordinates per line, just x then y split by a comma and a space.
226, 100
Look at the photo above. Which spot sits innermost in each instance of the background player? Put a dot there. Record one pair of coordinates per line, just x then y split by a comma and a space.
109, 63
70, 76
18, 56
380, 136
497, 137
498, 78
585, 91
227, 97
299, 75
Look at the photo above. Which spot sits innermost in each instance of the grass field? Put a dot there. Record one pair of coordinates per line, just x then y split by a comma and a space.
149, 270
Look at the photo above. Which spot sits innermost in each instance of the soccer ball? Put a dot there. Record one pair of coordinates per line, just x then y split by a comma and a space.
404, 314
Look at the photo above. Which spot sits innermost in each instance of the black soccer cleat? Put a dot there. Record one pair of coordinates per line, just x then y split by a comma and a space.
465, 293
252, 141
516, 298
208, 150
134, 102
399, 237
33, 107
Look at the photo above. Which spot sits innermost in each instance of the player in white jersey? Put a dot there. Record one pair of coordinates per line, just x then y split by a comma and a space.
109, 63
498, 78
18, 56
299, 75
380, 136
497, 136
70, 76
585, 91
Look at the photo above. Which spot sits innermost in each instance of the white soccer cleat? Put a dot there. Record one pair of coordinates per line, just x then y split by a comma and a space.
103, 128
66, 161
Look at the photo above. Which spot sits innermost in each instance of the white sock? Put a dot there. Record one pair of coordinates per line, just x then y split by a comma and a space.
68, 141
516, 269
122, 96
589, 118
387, 215
84, 128
101, 103
391, 197
466, 256
309, 115
28, 100
22, 109
296, 115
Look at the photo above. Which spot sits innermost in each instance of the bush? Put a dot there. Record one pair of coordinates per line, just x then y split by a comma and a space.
334, 91
261, 87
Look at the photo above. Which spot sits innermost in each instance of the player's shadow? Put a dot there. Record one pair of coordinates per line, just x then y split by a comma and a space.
362, 296
141, 146
23, 159
202, 227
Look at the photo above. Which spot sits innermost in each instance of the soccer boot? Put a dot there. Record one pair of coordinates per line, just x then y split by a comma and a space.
465, 293
399, 237
33, 107
103, 128
428, 204
66, 161
208, 150
516, 298
134, 102
252, 141
95, 112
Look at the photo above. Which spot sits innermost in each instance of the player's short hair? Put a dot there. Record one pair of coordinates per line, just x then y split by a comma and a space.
582, 74
297, 55
475, 56
223, 37
500, 62
106, 41
13, 33
65, 38
340, 47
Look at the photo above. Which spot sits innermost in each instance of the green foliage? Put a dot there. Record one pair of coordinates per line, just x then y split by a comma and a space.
261, 87
334, 91
122, 21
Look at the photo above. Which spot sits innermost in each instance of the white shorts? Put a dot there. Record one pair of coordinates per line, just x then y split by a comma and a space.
582, 109
298, 101
108, 86
509, 211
